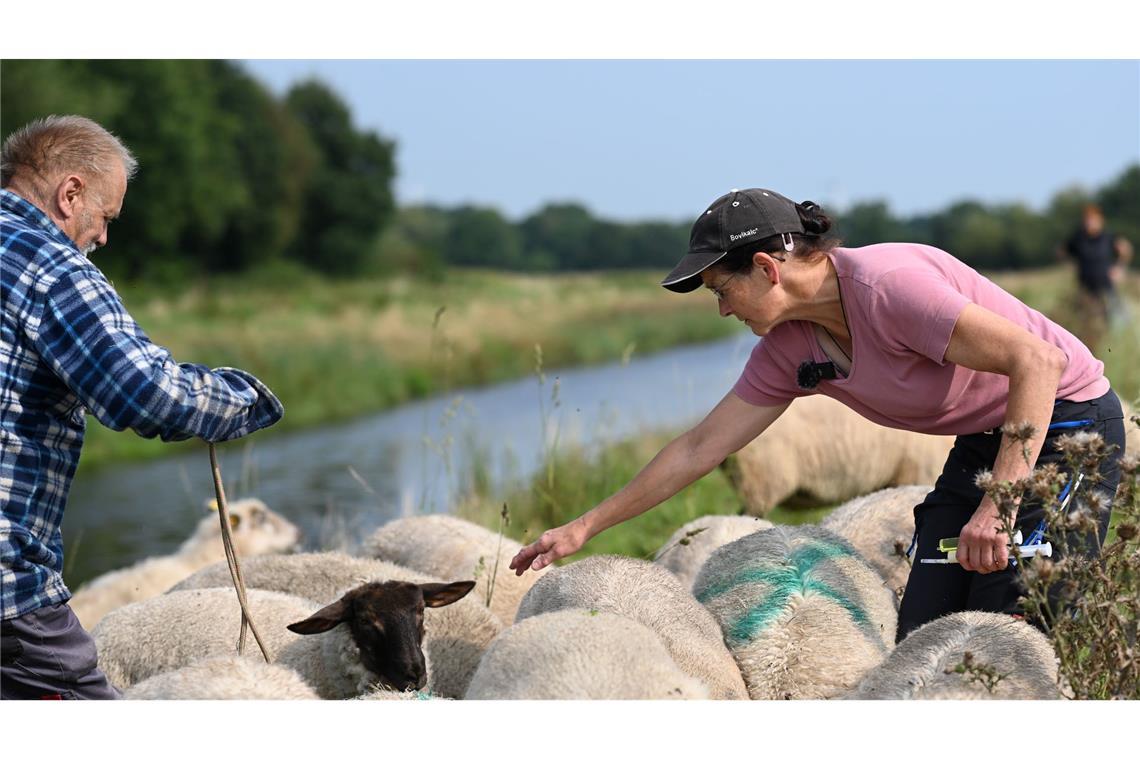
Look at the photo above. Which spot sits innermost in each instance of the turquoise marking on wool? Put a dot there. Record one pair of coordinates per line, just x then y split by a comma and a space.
802, 560
785, 580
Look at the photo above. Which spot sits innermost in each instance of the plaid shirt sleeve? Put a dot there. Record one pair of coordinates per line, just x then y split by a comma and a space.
85, 334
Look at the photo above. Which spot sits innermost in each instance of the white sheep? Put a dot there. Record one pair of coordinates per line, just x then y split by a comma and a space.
652, 596
803, 614
822, 449
379, 643
581, 654
881, 525
691, 544
444, 546
255, 528
224, 677
455, 636
999, 645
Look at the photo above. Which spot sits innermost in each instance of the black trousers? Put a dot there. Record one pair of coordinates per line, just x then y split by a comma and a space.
936, 590
46, 654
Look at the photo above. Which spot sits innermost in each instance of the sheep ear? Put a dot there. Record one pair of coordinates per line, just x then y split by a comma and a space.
443, 594
322, 620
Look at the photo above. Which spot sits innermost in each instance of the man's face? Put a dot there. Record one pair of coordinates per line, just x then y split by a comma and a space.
1094, 222
99, 204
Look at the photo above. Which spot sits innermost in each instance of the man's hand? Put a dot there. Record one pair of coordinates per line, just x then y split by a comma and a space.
981, 545
553, 545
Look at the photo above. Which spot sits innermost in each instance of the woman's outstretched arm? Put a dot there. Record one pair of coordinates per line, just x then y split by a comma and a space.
689, 456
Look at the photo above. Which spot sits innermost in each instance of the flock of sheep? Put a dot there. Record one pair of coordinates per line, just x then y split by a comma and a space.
730, 608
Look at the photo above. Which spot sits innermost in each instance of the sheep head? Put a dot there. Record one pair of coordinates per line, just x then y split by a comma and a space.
387, 624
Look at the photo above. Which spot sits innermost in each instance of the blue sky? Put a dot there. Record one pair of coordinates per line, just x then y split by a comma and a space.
660, 139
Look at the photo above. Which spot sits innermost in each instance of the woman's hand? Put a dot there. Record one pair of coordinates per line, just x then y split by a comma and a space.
552, 545
982, 547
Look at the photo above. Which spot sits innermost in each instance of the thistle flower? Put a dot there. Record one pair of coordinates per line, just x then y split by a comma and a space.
1019, 431
1129, 463
1045, 482
1040, 570
985, 480
1085, 450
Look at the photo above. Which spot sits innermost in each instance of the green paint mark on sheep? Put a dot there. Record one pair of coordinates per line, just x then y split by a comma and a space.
791, 577
801, 560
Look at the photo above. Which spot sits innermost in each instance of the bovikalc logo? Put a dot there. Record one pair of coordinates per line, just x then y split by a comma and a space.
740, 235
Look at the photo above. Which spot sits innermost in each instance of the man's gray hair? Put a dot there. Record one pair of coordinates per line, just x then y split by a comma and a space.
46, 148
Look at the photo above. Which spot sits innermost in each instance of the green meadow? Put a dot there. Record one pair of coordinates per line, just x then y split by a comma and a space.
335, 350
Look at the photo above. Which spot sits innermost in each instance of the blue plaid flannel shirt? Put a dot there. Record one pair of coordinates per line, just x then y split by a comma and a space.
69, 347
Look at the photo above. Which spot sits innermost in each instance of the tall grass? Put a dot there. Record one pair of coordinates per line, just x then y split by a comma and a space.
336, 350
1053, 292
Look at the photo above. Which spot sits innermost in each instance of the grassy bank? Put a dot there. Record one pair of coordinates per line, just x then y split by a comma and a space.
572, 482
336, 350
1052, 291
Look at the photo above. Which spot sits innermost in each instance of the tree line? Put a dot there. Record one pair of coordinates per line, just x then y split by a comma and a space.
234, 179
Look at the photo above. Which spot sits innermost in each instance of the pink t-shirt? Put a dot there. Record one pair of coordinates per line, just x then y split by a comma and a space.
901, 301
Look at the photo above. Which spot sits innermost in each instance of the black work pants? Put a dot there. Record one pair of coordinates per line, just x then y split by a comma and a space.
936, 590
46, 654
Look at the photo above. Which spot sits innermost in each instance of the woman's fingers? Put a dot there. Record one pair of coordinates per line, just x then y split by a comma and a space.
552, 546
983, 555
522, 560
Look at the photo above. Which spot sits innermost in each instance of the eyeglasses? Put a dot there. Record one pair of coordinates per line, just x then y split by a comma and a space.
718, 291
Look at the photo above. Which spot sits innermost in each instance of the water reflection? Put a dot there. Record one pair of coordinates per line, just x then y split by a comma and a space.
339, 483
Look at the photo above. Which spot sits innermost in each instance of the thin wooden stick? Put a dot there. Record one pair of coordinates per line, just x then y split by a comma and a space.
232, 560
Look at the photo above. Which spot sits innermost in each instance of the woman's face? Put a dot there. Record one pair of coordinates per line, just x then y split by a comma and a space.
748, 296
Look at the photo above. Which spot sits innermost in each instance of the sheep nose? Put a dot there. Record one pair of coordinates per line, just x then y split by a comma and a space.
415, 676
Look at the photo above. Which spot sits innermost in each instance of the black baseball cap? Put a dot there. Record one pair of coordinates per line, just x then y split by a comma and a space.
735, 220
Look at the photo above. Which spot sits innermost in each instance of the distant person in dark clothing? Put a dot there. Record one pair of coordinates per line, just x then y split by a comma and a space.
1102, 258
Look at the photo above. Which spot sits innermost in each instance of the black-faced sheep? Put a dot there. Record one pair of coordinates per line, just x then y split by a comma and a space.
370, 636
455, 638
444, 546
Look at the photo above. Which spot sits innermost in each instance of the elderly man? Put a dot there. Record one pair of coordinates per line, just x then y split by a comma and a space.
69, 347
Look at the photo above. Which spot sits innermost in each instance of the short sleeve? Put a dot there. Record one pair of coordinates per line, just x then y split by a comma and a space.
916, 310
769, 376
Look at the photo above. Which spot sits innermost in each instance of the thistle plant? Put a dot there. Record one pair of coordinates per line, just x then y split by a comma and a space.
1087, 603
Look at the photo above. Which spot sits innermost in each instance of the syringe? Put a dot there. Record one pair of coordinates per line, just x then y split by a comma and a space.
1037, 550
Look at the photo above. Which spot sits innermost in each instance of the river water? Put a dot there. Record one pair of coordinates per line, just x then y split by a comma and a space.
340, 482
